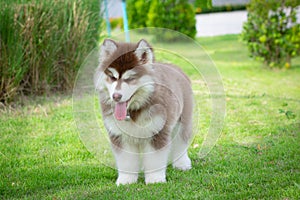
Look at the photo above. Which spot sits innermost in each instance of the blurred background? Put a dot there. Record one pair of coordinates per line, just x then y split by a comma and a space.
43, 43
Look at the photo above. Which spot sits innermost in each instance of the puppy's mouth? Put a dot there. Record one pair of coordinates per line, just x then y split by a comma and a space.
121, 110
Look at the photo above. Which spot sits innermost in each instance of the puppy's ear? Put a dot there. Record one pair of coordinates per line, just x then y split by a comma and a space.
108, 47
144, 52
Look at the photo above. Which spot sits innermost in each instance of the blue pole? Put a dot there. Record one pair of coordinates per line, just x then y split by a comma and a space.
125, 21
108, 28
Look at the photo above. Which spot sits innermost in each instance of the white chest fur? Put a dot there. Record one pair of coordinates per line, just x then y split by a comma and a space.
144, 128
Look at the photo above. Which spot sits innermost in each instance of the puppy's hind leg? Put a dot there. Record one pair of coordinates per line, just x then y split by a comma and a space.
179, 155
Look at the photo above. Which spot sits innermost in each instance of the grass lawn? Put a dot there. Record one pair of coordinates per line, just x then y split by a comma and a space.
256, 157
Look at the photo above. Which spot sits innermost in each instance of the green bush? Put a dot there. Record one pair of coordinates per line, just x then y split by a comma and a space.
178, 15
205, 6
116, 23
12, 66
202, 5
226, 8
137, 11
43, 43
271, 32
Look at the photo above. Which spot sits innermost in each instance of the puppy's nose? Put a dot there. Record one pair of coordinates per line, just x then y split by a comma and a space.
117, 96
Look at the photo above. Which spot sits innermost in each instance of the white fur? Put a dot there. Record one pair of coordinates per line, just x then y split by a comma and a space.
127, 178
114, 72
127, 161
107, 48
146, 87
154, 161
142, 48
148, 123
137, 136
127, 90
111, 88
184, 162
155, 164
128, 74
179, 156
99, 80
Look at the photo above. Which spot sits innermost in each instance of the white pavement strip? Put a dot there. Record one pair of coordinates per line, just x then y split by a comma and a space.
220, 23
224, 23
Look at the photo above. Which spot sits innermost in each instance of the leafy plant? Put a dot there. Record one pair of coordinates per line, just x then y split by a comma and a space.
288, 113
116, 23
12, 65
178, 15
137, 11
201, 5
43, 43
271, 31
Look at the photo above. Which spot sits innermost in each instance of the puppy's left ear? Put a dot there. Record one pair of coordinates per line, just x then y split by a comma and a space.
108, 48
144, 52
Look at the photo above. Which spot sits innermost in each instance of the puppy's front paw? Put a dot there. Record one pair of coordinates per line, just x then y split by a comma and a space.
155, 177
124, 179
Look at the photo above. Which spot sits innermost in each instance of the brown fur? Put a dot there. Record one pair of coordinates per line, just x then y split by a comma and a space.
161, 139
174, 95
116, 140
159, 101
166, 96
123, 59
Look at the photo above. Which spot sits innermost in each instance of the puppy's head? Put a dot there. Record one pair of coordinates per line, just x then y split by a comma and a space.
125, 75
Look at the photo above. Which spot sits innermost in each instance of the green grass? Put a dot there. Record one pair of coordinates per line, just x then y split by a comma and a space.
257, 156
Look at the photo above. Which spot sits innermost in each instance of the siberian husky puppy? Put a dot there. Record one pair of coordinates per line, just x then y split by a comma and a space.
147, 109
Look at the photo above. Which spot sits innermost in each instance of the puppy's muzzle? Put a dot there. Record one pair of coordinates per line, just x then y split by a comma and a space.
117, 97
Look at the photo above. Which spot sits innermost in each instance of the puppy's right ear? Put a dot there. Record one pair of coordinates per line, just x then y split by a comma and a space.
108, 47
144, 52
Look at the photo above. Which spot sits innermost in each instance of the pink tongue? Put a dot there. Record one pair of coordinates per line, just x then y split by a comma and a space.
120, 111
